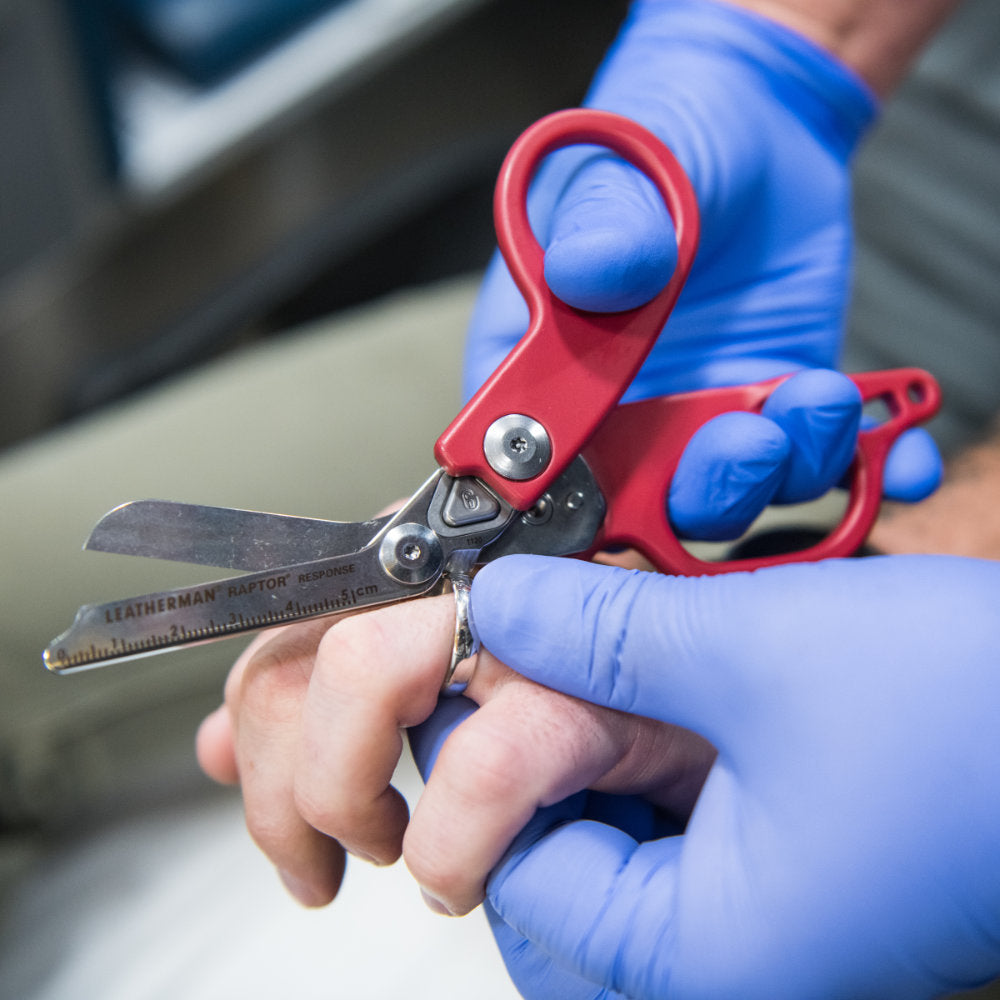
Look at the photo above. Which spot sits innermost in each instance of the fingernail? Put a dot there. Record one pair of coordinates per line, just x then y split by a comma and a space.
301, 890
369, 859
435, 905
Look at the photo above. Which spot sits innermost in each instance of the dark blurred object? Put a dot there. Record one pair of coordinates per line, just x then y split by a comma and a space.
205, 40
778, 541
152, 221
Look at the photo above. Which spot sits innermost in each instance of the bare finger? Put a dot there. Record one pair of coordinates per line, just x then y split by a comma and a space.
265, 698
526, 748
375, 674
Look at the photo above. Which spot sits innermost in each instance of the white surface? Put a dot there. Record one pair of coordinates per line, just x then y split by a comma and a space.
169, 131
179, 905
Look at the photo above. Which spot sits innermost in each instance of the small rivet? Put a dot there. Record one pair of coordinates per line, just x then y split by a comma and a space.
541, 513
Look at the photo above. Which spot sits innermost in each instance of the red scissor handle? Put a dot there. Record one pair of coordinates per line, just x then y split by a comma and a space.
635, 452
570, 369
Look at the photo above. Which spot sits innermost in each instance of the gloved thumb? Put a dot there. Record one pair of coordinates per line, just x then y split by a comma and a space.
638, 642
610, 244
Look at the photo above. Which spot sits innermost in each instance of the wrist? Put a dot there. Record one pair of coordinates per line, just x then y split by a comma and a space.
961, 518
716, 49
877, 39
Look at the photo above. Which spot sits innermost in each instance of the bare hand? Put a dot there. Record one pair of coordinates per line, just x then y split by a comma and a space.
312, 729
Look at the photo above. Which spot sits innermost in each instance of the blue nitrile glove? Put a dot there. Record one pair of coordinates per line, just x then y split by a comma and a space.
764, 122
845, 842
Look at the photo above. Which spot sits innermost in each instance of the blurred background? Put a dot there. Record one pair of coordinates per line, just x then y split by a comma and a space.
186, 188
191, 191
179, 176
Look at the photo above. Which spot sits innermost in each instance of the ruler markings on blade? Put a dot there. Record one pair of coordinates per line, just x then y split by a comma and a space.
156, 622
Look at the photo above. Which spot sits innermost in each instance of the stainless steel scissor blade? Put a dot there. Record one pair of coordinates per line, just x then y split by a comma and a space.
227, 537
409, 554
446, 528
156, 622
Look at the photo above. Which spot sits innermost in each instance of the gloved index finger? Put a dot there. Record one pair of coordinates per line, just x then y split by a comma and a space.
594, 901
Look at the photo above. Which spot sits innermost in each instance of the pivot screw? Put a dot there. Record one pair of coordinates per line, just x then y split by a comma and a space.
517, 447
411, 553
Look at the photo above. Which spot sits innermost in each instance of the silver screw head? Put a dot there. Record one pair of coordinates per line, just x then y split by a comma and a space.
411, 553
517, 447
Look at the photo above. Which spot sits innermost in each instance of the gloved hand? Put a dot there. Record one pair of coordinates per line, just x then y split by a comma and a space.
844, 843
764, 123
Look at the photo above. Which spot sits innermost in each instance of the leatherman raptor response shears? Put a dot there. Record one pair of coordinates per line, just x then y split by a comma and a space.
543, 459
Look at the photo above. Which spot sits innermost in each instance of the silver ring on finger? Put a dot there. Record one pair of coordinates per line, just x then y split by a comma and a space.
466, 645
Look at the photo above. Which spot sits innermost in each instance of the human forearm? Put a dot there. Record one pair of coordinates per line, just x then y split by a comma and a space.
878, 39
962, 518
